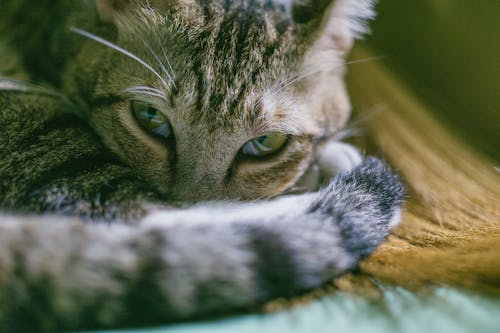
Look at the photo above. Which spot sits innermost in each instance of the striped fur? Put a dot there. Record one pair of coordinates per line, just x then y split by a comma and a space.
222, 72
118, 242
173, 264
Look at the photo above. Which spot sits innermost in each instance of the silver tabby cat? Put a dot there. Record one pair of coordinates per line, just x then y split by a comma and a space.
158, 119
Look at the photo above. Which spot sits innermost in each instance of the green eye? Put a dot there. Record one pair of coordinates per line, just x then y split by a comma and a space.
151, 119
265, 145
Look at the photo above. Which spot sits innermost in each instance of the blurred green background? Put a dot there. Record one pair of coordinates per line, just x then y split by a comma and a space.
448, 51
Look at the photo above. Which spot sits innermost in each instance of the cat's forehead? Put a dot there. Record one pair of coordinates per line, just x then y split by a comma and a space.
231, 34
226, 55
211, 9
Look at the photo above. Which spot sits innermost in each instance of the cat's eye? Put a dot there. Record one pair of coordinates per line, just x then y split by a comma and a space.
151, 119
265, 145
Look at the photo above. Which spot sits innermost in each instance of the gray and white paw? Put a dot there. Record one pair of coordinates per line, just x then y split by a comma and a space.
365, 203
337, 157
333, 158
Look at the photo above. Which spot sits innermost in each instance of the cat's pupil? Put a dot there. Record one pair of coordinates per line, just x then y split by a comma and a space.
151, 113
262, 139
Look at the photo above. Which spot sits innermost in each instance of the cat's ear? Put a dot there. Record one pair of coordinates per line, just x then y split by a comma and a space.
339, 22
110, 9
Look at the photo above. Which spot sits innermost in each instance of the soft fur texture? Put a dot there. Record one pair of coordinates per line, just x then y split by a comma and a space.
176, 264
188, 263
236, 71
222, 72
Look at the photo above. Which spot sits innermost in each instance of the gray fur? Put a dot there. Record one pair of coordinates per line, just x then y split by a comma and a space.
195, 261
222, 72
99, 228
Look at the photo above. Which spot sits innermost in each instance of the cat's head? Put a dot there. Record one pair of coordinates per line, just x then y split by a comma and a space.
219, 99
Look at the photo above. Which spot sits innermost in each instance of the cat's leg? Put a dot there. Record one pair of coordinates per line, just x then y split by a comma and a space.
179, 264
331, 158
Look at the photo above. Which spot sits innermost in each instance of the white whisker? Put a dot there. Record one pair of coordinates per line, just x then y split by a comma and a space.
121, 50
367, 59
166, 58
145, 90
281, 85
346, 133
356, 126
171, 74
8, 84
161, 64
332, 68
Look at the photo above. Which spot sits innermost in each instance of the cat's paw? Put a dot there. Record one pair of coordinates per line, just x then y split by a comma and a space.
365, 204
337, 157
332, 159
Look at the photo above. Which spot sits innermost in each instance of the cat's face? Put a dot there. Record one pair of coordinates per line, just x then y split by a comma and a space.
219, 99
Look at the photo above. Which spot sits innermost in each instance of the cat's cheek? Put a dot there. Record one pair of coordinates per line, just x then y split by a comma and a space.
149, 158
257, 181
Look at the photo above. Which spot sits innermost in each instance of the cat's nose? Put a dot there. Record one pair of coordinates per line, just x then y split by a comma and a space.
198, 183
194, 191
201, 169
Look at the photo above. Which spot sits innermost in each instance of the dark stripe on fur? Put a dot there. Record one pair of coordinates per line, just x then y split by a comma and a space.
275, 268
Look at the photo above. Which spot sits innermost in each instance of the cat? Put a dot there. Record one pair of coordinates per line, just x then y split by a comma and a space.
163, 136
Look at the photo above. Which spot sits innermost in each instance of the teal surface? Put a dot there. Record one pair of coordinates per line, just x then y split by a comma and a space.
402, 311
